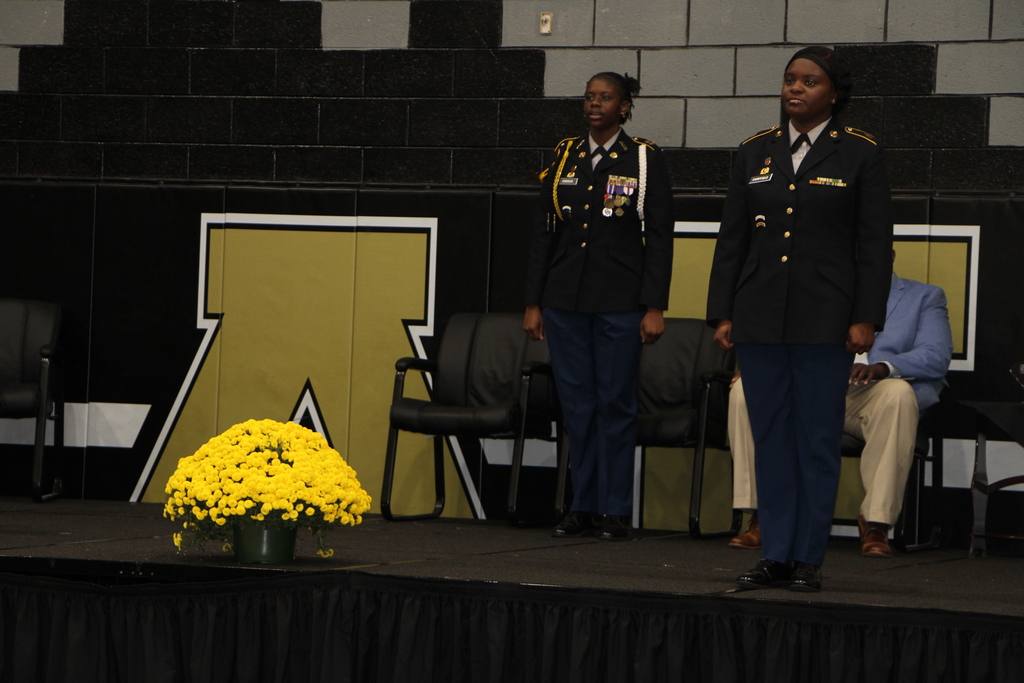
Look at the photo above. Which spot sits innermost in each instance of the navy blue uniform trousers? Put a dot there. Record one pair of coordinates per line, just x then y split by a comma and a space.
595, 358
796, 396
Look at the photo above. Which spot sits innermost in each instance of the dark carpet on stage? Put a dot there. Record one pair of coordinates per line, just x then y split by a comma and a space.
65, 532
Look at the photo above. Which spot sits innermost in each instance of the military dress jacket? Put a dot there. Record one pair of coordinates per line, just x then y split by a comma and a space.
803, 255
590, 251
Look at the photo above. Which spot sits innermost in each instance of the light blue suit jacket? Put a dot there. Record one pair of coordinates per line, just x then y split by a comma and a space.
917, 338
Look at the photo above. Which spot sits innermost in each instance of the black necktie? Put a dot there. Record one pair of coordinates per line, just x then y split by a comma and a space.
800, 139
600, 151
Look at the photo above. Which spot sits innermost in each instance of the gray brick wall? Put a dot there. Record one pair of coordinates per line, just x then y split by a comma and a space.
8, 68
723, 122
1007, 20
617, 22
572, 25
737, 22
659, 119
455, 91
365, 24
980, 68
940, 20
31, 22
688, 72
836, 21
1007, 117
567, 71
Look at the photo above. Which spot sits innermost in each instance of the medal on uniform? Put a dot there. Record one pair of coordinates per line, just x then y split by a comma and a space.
619, 211
607, 212
621, 185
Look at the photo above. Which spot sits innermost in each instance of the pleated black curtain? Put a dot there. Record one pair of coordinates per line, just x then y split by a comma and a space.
350, 627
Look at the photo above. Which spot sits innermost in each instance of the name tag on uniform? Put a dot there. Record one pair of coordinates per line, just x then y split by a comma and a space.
760, 178
568, 181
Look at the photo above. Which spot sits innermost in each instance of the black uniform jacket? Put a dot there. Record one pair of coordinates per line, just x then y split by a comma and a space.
802, 256
589, 251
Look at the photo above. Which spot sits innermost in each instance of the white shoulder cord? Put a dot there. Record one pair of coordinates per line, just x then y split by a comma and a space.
643, 181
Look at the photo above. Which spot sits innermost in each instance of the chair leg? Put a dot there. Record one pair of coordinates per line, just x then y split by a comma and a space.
696, 497
389, 479
39, 449
512, 509
37, 461
697, 483
512, 505
562, 457
913, 504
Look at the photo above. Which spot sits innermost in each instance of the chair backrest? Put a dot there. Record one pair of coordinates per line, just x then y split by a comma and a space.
481, 358
670, 370
25, 327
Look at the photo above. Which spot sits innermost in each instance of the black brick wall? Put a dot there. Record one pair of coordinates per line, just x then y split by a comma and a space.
242, 91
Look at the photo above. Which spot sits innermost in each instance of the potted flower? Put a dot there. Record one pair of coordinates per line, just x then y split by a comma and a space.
256, 484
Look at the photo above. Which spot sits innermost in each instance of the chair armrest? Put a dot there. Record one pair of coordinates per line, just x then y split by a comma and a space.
537, 366
421, 364
724, 376
49, 351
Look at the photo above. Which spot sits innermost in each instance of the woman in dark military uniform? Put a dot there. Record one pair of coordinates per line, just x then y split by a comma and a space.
597, 286
799, 284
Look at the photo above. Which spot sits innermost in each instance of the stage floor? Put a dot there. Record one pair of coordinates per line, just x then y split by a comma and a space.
116, 541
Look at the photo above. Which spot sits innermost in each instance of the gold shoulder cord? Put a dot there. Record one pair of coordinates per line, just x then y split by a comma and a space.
646, 143
554, 185
757, 135
861, 134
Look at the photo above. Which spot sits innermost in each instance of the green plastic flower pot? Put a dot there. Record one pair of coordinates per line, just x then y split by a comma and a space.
260, 544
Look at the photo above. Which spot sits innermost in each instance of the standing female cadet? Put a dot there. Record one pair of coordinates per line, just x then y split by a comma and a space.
597, 285
799, 284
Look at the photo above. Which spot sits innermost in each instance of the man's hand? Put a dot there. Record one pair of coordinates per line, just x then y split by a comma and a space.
533, 322
723, 334
652, 326
860, 338
864, 374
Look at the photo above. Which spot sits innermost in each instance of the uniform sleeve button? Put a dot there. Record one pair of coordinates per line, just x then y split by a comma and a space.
586, 206
789, 210
584, 226
590, 188
785, 258
786, 234
584, 244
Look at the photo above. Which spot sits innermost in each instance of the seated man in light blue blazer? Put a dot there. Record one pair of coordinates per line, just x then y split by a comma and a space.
881, 408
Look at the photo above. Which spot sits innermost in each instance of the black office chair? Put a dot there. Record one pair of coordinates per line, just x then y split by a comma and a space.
489, 380
32, 380
683, 401
916, 528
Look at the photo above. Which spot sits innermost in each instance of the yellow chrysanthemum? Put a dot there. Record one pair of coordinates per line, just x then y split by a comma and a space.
258, 467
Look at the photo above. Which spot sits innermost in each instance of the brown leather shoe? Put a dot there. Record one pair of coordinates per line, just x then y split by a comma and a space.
874, 538
749, 539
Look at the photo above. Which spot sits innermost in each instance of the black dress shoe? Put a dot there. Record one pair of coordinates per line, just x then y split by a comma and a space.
765, 574
806, 578
616, 528
574, 524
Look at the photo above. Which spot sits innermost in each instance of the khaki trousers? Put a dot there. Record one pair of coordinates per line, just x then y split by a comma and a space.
884, 415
